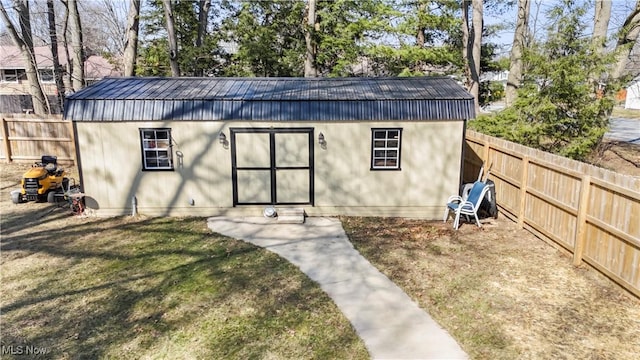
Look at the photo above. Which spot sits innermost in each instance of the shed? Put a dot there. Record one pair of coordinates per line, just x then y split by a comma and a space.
633, 94
214, 146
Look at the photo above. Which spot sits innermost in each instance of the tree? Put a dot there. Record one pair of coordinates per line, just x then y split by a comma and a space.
57, 69
309, 37
472, 46
196, 38
24, 42
627, 37
346, 29
557, 109
466, 41
421, 38
173, 40
77, 55
203, 20
104, 27
602, 15
269, 36
519, 43
131, 44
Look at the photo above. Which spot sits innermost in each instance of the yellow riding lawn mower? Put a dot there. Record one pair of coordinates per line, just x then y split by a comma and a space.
44, 181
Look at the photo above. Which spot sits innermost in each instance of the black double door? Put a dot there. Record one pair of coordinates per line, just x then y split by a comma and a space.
272, 166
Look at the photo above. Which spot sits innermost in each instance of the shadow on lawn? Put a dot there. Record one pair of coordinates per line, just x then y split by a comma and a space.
100, 294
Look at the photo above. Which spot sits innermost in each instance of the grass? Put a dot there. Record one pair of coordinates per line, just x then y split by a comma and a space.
502, 293
621, 112
125, 288
128, 288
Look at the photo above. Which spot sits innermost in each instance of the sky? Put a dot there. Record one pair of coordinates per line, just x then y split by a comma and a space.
620, 9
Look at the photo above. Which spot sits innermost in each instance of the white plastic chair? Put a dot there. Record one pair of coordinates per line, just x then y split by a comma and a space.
469, 206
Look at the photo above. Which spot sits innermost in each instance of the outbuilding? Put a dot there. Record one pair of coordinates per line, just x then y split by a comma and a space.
633, 94
234, 146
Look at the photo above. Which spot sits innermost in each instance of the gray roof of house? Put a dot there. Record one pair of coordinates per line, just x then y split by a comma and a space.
272, 99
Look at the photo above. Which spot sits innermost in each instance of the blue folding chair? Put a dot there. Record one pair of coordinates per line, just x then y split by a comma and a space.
467, 207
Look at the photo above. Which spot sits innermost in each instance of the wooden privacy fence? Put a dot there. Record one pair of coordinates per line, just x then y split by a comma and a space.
592, 213
25, 138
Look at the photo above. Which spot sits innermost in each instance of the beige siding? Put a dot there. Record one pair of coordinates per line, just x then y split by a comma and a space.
22, 88
110, 156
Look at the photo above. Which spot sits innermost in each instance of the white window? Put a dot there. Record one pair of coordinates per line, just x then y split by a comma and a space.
10, 75
46, 75
385, 149
156, 149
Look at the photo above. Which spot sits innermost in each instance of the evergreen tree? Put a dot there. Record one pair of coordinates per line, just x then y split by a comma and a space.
425, 36
198, 55
269, 36
347, 28
558, 108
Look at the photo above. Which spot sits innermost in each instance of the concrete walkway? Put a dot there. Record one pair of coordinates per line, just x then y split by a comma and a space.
391, 325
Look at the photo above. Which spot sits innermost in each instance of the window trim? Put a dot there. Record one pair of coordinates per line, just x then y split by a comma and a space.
144, 149
49, 72
3, 78
398, 148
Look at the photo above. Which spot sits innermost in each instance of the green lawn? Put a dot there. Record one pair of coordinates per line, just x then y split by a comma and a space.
160, 288
625, 113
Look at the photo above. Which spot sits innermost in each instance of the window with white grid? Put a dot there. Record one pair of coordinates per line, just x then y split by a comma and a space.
385, 149
156, 149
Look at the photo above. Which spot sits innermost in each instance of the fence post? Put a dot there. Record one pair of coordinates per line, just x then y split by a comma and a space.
581, 222
5, 141
523, 190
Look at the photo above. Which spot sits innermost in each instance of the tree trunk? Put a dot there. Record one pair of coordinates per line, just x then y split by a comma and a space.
627, 38
466, 42
310, 69
421, 39
516, 65
601, 24
474, 61
77, 56
203, 20
57, 69
173, 40
24, 42
131, 45
65, 46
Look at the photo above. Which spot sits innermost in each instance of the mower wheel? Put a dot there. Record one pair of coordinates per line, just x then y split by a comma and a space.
16, 197
51, 197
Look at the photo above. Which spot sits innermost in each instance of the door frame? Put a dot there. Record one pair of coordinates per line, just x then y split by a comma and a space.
273, 168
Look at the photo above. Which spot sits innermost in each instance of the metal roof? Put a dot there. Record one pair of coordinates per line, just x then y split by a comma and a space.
272, 99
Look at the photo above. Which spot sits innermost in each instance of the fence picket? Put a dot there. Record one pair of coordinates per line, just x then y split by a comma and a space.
585, 210
26, 138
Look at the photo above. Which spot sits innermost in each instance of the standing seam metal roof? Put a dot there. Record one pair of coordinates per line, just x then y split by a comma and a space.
271, 99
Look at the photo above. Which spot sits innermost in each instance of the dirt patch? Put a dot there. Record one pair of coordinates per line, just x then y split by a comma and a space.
621, 157
23, 216
500, 291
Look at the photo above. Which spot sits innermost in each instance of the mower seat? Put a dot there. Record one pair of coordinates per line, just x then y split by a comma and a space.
50, 163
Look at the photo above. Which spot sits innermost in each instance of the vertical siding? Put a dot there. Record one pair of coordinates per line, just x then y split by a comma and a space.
344, 183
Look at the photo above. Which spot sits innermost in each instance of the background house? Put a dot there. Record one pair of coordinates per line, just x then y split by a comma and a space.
633, 94
210, 146
14, 88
